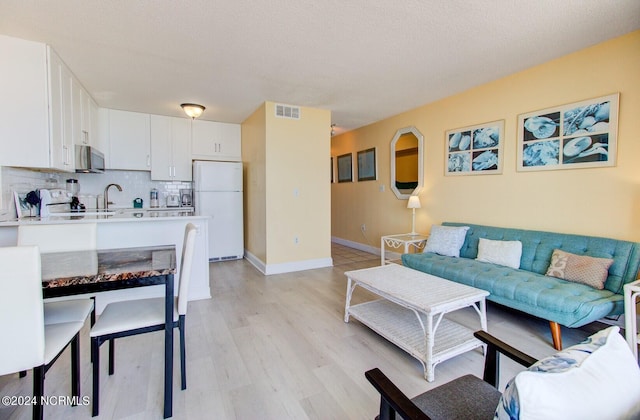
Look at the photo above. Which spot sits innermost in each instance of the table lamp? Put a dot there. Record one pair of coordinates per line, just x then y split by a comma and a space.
413, 204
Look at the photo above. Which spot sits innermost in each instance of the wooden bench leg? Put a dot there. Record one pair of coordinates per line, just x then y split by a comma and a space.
556, 335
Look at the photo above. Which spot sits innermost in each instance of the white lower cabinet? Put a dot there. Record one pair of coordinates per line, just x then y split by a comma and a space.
129, 140
170, 148
216, 141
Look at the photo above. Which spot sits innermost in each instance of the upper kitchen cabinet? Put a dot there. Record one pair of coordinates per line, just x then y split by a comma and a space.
85, 116
129, 140
170, 148
32, 109
216, 141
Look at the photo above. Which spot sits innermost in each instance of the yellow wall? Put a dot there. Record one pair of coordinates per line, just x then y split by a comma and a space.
253, 157
288, 191
597, 201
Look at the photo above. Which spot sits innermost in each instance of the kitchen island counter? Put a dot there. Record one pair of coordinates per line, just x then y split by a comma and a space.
118, 215
128, 228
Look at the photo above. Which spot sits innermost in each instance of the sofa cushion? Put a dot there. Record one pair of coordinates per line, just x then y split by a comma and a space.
595, 379
446, 240
537, 247
570, 304
579, 268
505, 253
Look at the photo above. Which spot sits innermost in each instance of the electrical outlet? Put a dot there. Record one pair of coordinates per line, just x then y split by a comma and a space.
296, 240
363, 227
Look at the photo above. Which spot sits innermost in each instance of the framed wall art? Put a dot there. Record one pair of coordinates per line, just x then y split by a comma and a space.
345, 168
367, 165
475, 150
579, 135
332, 171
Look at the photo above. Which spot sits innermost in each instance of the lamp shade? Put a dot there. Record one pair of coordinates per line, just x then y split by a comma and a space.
193, 110
414, 202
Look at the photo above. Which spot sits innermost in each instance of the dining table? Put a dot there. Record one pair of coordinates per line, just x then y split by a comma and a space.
95, 271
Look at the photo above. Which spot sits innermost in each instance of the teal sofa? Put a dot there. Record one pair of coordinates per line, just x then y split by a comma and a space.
527, 289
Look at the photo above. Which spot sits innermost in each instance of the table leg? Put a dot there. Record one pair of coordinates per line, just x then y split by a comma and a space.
168, 347
429, 374
483, 314
382, 249
348, 299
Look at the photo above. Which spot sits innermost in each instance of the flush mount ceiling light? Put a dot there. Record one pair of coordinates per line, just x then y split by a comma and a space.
193, 110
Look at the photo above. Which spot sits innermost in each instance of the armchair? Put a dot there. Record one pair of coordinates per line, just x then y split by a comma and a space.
598, 378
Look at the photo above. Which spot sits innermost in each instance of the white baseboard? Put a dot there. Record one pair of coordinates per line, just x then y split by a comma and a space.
289, 267
389, 255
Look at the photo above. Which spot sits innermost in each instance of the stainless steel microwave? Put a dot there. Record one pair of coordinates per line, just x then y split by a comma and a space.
89, 160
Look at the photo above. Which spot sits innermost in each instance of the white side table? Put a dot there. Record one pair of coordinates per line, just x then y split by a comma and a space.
406, 240
631, 293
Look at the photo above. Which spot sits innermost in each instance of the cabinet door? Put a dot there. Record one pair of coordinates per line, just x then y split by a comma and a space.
161, 164
181, 149
58, 89
129, 140
216, 141
24, 123
67, 121
170, 148
94, 126
76, 108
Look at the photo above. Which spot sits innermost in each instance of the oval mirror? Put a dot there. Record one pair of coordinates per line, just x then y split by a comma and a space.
406, 162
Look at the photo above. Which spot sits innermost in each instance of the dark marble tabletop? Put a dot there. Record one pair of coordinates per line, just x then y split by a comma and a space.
75, 272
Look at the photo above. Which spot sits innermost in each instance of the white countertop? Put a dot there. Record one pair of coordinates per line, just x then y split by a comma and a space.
119, 215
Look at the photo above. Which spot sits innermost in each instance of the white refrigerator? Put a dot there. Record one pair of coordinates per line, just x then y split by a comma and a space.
218, 194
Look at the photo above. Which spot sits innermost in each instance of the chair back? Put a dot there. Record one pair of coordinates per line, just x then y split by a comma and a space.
21, 309
186, 261
59, 238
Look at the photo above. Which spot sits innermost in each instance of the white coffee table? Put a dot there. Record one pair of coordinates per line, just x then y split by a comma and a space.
411, 312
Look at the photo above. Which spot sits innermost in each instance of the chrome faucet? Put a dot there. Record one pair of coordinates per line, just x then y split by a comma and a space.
106, 195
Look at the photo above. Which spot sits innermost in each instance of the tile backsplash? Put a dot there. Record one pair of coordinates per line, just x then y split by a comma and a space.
135, 184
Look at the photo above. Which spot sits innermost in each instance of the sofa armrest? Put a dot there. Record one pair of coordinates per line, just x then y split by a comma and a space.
491, 361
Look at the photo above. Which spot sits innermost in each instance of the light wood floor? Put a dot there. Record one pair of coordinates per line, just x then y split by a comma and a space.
272, 347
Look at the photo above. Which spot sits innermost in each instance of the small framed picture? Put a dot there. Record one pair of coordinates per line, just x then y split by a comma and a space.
367, 165
23, 208
475, 150
577, 135
345, 168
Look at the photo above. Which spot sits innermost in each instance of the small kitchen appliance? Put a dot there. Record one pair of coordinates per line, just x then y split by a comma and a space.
186, 198
89, 160
154, 202
55, 200
173, 199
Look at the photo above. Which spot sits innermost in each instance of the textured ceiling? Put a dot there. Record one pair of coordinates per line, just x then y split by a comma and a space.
364, 60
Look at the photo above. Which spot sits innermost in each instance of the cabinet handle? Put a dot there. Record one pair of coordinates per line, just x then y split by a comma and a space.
148, 160
169, 171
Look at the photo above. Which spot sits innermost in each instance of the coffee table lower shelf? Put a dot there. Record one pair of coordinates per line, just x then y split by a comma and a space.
402, 327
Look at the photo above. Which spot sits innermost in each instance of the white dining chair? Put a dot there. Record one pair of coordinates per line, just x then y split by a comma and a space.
139, 316
63, 238
27, 343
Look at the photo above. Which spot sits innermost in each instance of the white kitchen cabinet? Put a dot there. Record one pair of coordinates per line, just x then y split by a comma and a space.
170, 148
32, 113
216, 141
85, 123
129, 140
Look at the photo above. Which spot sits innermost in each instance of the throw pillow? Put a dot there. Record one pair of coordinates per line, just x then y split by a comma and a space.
505, 253
579, 268
597, 379
446, 240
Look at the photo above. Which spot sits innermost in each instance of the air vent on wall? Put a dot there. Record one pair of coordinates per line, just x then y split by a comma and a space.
287, 111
